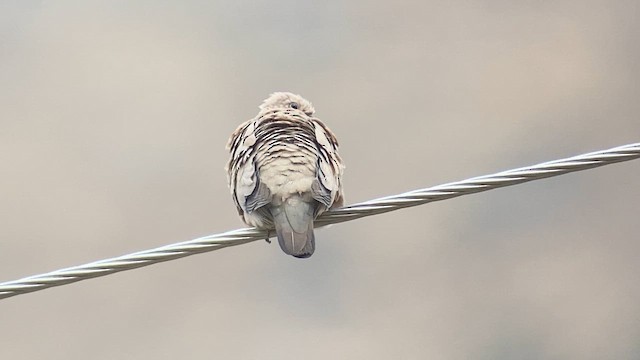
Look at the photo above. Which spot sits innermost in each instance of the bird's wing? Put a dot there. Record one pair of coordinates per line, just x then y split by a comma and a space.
247, 191
327, 188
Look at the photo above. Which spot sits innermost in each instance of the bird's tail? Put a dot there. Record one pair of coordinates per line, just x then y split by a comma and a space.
294, 226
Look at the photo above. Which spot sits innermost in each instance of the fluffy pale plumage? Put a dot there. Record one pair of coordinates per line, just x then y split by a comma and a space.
285, 170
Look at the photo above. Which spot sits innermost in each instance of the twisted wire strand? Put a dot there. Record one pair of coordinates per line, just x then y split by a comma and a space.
352, 212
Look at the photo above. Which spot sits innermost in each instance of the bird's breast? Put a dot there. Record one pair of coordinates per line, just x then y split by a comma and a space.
287, 168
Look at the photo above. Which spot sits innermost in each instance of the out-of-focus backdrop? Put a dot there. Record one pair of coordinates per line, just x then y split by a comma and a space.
113, 121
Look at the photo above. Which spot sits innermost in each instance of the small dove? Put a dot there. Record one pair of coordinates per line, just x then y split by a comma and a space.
284, 170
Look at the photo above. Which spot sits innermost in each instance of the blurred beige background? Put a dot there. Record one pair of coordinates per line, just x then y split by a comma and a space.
113, 121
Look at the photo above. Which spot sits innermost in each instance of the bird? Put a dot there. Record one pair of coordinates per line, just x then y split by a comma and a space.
284, 170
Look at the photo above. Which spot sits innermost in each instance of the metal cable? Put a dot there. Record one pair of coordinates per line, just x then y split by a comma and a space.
367, 208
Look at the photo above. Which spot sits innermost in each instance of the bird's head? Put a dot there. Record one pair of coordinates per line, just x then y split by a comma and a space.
287, 101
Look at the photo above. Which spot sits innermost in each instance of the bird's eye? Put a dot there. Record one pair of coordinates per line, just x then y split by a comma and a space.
294, 105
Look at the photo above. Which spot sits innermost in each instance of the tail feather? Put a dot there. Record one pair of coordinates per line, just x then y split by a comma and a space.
294, 226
